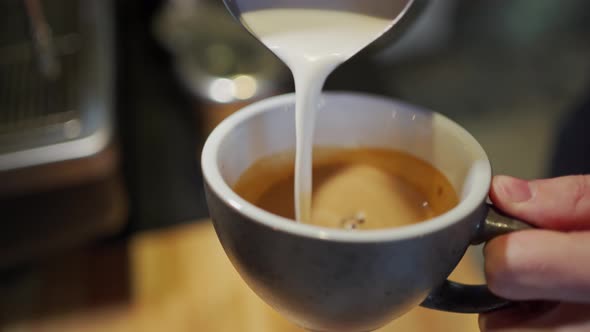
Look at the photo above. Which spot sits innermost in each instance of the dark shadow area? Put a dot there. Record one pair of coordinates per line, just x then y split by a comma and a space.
157, 126
42, 224
88, 279
572, 147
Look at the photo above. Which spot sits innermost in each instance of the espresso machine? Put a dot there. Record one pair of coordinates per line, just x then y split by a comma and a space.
59, 162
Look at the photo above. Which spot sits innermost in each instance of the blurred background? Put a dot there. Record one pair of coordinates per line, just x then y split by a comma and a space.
105, 105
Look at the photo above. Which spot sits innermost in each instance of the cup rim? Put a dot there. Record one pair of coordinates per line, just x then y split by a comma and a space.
217, 184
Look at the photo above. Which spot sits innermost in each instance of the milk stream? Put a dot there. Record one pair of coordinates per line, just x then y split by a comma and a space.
312, 43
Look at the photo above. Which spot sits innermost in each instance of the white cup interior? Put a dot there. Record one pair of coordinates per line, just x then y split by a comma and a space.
347, 120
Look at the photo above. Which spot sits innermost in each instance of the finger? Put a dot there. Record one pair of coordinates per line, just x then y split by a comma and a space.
538, 317
540, 265
559, 203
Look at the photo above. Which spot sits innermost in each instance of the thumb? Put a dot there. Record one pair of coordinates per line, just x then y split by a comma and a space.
559, 203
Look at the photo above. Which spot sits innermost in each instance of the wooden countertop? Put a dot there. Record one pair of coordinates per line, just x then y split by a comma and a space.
176, 279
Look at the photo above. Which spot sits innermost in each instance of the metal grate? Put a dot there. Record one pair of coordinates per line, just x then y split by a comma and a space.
50, 116
29, 101
32, 107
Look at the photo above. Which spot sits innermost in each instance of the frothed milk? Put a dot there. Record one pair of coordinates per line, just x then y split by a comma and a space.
312, 43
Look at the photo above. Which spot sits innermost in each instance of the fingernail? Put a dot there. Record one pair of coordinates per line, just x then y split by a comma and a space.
515, 190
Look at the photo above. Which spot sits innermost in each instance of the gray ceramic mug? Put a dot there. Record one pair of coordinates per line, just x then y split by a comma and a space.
336, 280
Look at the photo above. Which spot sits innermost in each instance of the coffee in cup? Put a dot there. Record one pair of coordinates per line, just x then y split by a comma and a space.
353, 188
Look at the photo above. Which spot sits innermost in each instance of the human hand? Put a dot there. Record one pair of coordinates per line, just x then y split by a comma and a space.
549, 268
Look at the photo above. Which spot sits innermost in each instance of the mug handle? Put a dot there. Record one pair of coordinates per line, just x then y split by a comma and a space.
459, 298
